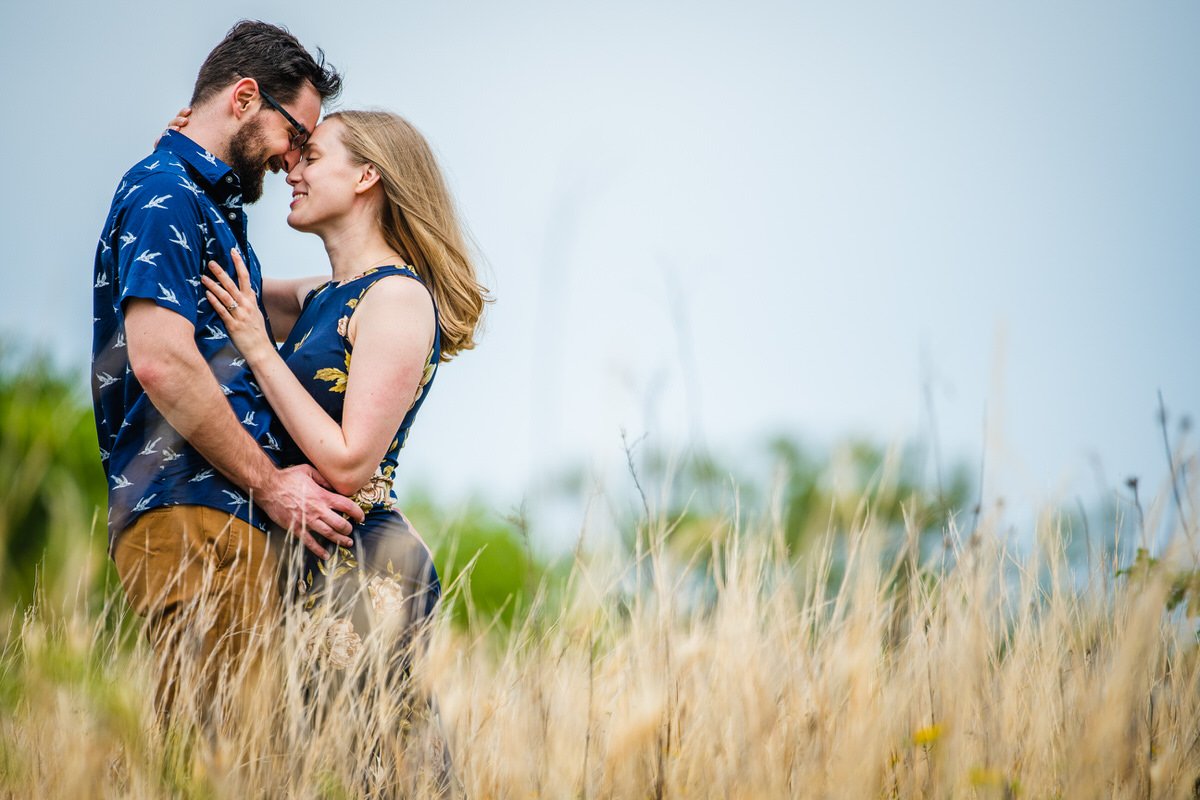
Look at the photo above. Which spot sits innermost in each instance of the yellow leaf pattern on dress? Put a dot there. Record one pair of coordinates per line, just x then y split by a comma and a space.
336, 375
303, 339
426, 375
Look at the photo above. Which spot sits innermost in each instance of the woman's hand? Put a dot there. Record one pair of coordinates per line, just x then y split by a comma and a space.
179, 123
237, 305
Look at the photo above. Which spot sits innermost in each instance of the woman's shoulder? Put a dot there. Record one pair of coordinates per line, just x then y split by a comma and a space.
398, 306
396, 286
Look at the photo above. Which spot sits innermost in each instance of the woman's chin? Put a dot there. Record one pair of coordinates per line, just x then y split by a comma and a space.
296, 222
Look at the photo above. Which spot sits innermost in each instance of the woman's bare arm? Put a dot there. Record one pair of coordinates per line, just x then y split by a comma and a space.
283, 298
392, 332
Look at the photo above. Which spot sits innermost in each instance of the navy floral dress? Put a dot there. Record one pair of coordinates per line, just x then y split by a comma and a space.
389, 575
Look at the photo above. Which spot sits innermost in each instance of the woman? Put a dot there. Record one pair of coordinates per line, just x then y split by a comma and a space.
361, 353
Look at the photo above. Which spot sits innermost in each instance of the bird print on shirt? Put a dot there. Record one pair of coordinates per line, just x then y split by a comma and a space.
167, 295
191, 187
144, 503
179, 239
157, 201
165, 471
202, 475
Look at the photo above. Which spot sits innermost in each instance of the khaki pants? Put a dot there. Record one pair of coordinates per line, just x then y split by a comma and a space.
206, 583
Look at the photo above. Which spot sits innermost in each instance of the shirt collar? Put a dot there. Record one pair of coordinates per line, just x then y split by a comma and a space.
210, 168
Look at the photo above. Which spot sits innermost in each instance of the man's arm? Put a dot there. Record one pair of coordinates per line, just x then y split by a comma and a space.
282, 298
180, 384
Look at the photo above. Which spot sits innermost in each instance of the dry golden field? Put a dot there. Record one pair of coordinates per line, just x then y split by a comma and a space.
744, 674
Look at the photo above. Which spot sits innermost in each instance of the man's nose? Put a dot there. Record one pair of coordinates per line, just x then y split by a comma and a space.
290, 159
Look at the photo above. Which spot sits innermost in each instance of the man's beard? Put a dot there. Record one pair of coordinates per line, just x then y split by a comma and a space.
248, 157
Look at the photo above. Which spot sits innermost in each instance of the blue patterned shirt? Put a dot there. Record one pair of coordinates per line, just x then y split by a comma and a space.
174, 211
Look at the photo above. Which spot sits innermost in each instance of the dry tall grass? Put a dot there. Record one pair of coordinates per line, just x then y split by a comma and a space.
998, 676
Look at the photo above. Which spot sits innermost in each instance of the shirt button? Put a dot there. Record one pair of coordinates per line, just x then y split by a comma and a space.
229, 179
232, 215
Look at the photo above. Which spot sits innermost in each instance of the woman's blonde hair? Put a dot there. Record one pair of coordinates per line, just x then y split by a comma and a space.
418, 218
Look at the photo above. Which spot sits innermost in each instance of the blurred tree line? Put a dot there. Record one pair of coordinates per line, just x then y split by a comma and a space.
52, 490
52, 527
53, 504
807, 492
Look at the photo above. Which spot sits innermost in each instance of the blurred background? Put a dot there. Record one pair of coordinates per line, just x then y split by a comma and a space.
764, 247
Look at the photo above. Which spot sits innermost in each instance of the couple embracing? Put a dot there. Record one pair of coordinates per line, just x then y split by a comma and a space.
230, 457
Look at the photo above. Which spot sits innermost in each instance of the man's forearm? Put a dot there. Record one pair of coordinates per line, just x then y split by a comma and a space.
182, 387
190, 400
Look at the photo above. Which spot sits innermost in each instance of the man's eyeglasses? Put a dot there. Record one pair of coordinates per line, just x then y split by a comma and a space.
301, 137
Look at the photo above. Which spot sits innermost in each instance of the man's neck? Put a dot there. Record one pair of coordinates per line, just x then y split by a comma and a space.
209, 131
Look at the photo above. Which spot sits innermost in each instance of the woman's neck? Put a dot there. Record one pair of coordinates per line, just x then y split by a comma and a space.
356, 248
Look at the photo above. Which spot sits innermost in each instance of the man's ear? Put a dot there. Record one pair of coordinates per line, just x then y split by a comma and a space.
243, 96
367, 178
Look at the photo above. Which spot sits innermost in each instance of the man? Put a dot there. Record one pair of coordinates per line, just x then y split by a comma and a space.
183, 429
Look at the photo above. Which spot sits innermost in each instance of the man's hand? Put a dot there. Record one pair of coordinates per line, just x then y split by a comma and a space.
296, 501
180, 384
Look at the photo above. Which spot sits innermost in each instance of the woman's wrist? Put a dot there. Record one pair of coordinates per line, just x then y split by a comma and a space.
259, 352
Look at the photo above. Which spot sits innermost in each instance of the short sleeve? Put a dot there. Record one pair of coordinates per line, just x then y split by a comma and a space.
159, 244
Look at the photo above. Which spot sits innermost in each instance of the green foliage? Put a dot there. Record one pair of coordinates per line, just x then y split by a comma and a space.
53, 492
869, 479
51, 484
489, 558
813, 492
1183, 584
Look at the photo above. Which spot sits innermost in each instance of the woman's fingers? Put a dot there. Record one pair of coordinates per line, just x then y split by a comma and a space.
217, 305
218, 296
242, 273
223, 277
220, 306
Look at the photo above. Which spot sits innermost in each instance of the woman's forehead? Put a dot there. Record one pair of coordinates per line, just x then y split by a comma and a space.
327, 128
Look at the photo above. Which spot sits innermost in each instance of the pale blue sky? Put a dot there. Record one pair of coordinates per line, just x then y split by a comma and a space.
728, 218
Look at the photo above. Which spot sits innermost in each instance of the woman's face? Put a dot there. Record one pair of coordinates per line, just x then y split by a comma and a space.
324, 181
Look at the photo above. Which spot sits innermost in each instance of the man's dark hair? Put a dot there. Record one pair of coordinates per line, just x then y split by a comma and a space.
270, 55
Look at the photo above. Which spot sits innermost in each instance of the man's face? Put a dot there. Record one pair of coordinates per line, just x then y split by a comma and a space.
265, 141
